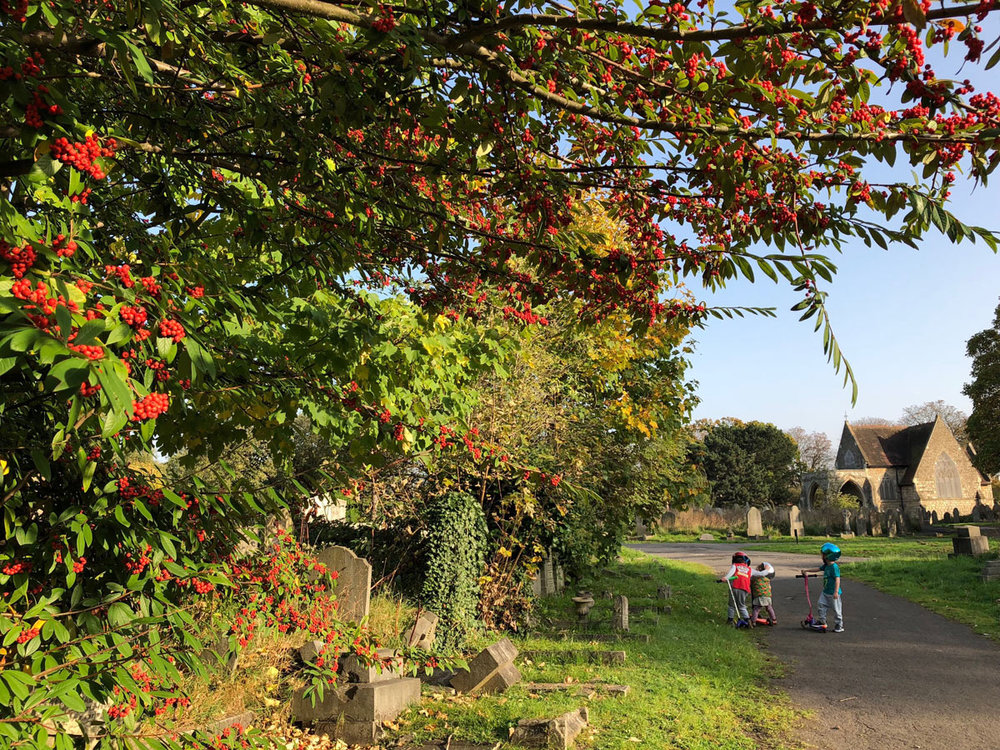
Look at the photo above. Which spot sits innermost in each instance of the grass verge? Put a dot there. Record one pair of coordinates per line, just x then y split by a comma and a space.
696, 684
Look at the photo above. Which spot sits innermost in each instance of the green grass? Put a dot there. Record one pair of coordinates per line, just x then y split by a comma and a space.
697, 684
873, 547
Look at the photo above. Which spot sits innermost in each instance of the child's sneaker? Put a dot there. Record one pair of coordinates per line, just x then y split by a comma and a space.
839, 629
729, 621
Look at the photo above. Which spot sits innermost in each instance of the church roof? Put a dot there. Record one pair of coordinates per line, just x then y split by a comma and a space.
885, 445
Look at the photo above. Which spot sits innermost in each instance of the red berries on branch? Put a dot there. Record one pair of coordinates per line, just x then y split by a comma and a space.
172, 329
83, 155
150, 407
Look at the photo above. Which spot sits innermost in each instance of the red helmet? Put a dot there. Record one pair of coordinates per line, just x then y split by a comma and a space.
741, 557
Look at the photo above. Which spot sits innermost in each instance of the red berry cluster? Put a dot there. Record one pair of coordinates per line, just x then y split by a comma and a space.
63, 248
123, 272
172, 329
17, 10
386, 22
27, 635
88, 350
133, 316
152, 288
87, 390
21, 259
13, 568
151, 406
82, 155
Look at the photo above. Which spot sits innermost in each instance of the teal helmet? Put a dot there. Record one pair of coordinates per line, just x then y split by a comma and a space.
830, 552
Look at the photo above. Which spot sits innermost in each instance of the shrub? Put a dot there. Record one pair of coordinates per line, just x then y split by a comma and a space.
455, 551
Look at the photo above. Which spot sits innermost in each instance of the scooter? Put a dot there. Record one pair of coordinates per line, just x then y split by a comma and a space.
810, 623
739, 623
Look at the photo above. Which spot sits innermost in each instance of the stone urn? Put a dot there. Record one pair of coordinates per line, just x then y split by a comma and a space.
584, 602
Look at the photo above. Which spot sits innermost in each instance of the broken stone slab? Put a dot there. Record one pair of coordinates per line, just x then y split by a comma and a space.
309, 650
606, 637
422, 633
557, 734
578, 656
350, 732
484, 666
556, 687
502, 679
970, 545
967, 531
991, 571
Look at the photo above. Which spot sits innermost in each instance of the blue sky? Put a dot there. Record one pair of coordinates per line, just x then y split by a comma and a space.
902, 318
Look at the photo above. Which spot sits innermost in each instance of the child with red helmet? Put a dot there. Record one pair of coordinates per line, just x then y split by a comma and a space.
739, 575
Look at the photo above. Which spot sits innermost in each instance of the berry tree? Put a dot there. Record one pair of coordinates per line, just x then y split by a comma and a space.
220, 216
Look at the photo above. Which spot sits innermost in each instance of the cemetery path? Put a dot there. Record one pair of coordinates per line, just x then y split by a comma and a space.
899, 677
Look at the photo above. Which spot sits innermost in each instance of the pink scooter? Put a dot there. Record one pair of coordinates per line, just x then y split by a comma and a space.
810, 622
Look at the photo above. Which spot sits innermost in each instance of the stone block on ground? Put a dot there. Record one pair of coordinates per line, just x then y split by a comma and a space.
619, 618
372, 702
328, 709
309, 650
353, 669
706, 538
967, 532
502, 679
422, 633
557, 734
970, 545
991, 571
484, 666
350, 732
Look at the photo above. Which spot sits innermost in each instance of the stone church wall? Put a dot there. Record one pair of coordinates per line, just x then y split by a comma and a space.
925, 480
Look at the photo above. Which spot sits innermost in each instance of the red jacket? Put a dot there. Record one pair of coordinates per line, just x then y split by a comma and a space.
742, 577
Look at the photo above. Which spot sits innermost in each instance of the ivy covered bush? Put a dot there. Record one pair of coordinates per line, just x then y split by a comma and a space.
455, 552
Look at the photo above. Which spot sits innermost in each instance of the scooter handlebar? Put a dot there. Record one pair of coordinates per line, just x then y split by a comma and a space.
807, 575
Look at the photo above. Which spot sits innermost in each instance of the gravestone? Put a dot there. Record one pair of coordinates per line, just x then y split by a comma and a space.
947, 517
861, 525
555, 734
934, 517
545, 583
977, 514
991, 571
795, 522
875, 523
354, 581
495, 661
969, 542
422, 633
668, 519
619, 617
664, 592
891, 526
640, 529
754, 526
706, 538
845, 516
955, 515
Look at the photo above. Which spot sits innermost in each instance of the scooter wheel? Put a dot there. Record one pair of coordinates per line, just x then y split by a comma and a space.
804, 624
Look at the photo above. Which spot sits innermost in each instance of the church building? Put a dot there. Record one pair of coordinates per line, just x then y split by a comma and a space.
915, 469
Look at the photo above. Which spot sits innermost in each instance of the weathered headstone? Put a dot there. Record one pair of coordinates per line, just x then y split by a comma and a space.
556, 734
422, 633
977, 514
706, 538
485, 666
754, 526
955, 515
875, 523
947, 517
354, 581
640, 529
795, 522
664, 592
668, 519
991, 571
845, 516
619, 617
969, 542
891, 525
934, 517
861, 525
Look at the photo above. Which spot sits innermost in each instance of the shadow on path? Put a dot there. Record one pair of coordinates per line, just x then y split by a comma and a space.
899, 677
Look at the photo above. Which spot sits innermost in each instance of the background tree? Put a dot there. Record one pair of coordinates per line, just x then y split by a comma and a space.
954, 417
750, 462
984, 390
816, 452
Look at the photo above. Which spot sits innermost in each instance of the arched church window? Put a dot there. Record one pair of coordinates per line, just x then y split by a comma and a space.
946, 477
887, 489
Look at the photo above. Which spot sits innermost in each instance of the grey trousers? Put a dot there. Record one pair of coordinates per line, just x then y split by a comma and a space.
826, 601
741, 604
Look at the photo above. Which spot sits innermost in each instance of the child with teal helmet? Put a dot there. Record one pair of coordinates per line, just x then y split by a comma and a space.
831, 596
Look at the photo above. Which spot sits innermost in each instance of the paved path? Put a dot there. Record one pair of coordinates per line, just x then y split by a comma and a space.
899, 677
